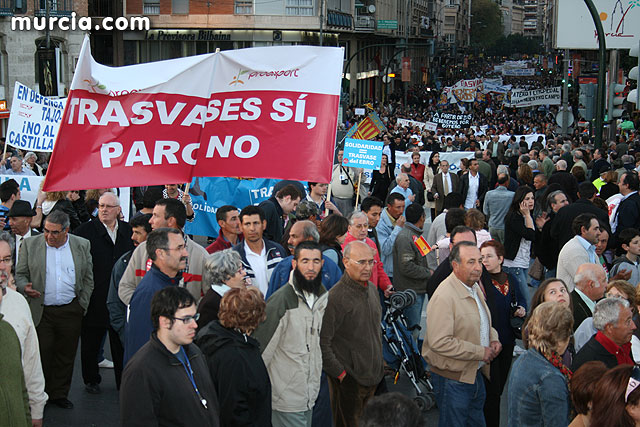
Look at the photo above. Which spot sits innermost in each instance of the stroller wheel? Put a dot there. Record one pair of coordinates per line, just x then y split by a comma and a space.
424, 402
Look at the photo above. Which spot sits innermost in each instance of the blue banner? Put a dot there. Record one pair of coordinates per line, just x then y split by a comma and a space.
362, 154
208, 194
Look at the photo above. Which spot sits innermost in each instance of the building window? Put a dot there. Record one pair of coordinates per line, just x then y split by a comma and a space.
151, 7
180, 7
244, 7
299, 7
450, 38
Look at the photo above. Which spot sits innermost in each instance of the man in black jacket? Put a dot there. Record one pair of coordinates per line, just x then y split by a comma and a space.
283, 203
611, 344
628, 213
561, 228
167, 381
473, 192
600, 163
565, 179
110, 238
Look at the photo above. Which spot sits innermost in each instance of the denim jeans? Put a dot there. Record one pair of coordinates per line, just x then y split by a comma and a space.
460, 404
521, 275
413, 313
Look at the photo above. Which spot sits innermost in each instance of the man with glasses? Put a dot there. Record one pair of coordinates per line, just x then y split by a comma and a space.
168, 253
110, 238
350, 337
167, 382
55, 273
358, 230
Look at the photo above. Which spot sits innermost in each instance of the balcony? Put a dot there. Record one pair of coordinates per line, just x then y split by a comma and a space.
339, 19
102, 8
364, 24
6, 7
56, 7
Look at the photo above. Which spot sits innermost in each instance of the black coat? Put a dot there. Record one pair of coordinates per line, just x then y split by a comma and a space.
483, 186
273, 214
608, 190
593, 350
208, 308
546, 247
568, 183
156, 390
239, 376
104, 255
628, 213
514, 232
597, 166
562, 225
580, 310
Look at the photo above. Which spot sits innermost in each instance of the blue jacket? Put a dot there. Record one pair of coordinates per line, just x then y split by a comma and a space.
387, 234
538, 393
500, 307
139, 327
280, 276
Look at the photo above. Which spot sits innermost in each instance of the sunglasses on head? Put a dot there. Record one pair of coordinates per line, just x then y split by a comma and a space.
634, 382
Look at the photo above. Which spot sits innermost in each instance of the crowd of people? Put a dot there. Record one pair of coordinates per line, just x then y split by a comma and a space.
277, 320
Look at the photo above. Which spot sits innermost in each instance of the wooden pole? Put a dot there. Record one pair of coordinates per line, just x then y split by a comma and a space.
326, 209
358, 191
186, 187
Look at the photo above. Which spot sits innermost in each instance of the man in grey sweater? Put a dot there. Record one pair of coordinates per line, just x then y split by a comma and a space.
350, 337
496, 206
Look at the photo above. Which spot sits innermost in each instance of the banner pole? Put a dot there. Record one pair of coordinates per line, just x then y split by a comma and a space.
358, 191
4, 153
186, 188
326, 209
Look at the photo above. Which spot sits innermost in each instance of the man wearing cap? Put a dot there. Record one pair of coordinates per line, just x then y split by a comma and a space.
20, 216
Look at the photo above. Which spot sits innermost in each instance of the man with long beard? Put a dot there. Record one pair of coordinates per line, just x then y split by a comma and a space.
292, 327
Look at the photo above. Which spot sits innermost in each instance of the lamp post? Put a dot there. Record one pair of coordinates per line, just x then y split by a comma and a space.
602, 57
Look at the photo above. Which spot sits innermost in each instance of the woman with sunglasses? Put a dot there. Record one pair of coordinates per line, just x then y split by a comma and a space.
616, 398
234, 360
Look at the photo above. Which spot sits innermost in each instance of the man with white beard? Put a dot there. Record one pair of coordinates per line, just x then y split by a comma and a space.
17, 313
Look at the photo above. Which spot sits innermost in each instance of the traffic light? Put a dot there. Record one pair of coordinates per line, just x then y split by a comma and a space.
615, 100
587, 99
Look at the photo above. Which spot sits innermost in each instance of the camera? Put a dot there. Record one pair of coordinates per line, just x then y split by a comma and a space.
403, 299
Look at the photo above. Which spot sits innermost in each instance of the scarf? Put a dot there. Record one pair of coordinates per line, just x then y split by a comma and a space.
556, 360
621, 352
501, 282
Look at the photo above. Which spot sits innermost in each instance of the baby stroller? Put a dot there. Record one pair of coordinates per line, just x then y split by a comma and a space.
400, 349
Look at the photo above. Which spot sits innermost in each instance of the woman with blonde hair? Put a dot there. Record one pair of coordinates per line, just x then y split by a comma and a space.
234, 359
538, 390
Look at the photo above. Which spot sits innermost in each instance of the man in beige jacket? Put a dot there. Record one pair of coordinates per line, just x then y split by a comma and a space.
460, 342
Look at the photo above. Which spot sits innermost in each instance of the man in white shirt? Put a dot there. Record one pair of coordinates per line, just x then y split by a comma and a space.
474, 185
259, 256
16, 311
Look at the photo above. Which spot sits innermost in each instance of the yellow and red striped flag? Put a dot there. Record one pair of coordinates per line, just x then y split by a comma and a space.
422, 245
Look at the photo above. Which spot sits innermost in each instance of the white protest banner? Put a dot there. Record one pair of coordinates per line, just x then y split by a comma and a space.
530, 138
526, 98
465, 90
495, 87
360, 111
29, 186
34, 120
518, 72
452, 121
411, 123
221, 114
359, 153
431, 126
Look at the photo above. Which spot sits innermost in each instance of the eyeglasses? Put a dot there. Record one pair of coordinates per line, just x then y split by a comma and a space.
54, 232
187, 319
363, 262
178, 248
6, 260
634, 382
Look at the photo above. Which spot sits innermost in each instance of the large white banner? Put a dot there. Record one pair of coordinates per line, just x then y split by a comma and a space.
526, 98
518, 72
421, 125
34, 120
620, 21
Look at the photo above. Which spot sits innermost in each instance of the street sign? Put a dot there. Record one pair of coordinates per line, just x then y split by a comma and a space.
560, 117
387, 24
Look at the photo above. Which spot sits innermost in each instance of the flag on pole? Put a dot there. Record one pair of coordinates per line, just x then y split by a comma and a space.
369, 128
352, 131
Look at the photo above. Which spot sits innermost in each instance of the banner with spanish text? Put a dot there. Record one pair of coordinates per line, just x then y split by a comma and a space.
526, 98
268, 112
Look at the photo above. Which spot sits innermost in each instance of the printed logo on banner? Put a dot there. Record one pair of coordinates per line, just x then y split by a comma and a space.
236, 79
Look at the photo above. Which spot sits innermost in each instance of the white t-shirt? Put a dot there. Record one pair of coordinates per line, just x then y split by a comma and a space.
472, 193
258, 263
